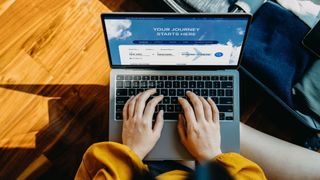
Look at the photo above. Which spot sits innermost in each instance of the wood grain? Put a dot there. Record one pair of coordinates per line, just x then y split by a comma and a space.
54, 86
53, 83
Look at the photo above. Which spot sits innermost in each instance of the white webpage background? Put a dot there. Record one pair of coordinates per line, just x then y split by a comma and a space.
178, 54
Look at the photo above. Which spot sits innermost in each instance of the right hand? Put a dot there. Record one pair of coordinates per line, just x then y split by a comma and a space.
199, 127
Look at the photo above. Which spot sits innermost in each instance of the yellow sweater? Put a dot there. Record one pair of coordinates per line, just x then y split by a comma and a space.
110, 160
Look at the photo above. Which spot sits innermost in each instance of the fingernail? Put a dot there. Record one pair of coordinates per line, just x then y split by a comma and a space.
209, 98
188, 91
161, 111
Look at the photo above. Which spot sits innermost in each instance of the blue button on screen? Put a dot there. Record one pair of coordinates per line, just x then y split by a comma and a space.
218, 54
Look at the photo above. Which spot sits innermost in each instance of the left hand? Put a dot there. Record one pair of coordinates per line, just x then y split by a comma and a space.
137, 132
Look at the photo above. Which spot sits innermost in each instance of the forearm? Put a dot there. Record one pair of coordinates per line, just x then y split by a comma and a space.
279, 159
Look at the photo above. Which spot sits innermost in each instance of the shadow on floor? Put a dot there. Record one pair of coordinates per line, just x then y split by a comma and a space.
78, 117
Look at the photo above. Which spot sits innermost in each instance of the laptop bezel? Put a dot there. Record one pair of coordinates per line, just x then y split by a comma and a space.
174, 67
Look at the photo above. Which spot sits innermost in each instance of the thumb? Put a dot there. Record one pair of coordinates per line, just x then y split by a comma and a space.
159, 124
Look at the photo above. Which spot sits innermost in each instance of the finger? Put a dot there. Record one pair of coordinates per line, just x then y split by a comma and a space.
158, 124
182, 129
125, 109
132, 105
188, 112
215, 111
141, 101
206, 108
197, 105
151, 106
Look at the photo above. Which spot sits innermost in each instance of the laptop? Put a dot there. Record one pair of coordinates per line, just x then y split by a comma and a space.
175, 53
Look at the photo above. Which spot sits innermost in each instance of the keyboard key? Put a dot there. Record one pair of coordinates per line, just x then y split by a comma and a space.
118, 116
230, 78
143, 84
121, 100
212, 92
119, 84
135, 84
229, 118
225, 108
168, 84
176, 84
174, 100
163, 78
180, 78
206, 78
229, 92
197, 78
184, 84
154, 77
166, 100
145, 78
192, 84
216, 84
162, 107
172, 92
164, 92
215, 99
225, 100
177, 108
196, 91
220, 92
128, 77
204, 92
223, 77
171, 78
221, 116
208, 84
160, 84
132, 92
135, 77
189, 78
200, 84
170, 108
120, 77
227, 84
119, 108
122, 92
214, 78
180, 92
152, 84
173, 116
127, 84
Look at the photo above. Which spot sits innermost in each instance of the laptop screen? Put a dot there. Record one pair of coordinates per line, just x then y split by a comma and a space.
175, 40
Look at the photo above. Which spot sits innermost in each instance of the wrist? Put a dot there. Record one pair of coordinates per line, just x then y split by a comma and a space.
140, 154
203, 159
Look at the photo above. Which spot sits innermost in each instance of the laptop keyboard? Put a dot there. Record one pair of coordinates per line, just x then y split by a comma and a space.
219, 88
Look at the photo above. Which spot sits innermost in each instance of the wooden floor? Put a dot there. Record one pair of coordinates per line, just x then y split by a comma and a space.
54, 86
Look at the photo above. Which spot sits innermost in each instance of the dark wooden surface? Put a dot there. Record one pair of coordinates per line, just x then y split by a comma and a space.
54, 86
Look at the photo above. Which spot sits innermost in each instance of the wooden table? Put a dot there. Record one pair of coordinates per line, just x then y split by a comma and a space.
53, 85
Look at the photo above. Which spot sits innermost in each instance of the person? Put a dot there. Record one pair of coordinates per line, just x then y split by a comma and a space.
199, 131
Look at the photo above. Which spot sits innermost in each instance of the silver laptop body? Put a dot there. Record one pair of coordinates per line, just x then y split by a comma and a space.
198, 44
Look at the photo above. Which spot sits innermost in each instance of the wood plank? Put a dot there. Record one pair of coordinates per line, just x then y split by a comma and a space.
53, 81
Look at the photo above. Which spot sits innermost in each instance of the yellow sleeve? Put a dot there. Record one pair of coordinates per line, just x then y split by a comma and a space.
240, 167
109, 160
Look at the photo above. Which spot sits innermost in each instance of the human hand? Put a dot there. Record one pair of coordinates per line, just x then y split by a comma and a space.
199, 127
137, 132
